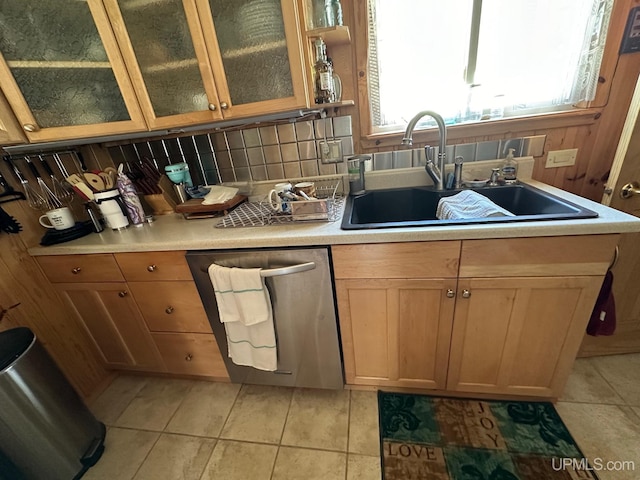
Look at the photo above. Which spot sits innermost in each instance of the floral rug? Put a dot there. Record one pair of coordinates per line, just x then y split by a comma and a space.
439, 438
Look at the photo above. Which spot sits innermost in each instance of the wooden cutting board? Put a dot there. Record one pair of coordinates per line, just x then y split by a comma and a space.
194, 206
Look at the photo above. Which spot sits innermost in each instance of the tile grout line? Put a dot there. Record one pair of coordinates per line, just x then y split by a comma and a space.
146, 457
284, 426
217, 438
253, 442
606, 380
235, 400
144, 384
346, 467
164, 429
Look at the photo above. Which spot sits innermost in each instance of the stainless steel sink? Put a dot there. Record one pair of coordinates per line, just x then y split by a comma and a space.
416, 207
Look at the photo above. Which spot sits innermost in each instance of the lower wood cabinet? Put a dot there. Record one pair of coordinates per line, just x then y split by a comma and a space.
518, 335
396, 332
111, 316
142, 310
502, 317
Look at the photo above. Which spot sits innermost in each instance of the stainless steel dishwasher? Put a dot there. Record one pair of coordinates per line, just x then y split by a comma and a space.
299, 282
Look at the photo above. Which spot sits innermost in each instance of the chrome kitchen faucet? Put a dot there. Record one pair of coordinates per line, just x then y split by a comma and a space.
436, 172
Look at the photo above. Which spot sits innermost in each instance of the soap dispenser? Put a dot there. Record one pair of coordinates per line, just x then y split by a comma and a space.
510, 169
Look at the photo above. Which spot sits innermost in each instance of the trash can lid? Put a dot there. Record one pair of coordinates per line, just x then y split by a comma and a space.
13, 343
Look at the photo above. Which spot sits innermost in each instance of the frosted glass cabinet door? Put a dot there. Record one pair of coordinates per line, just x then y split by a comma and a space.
259, 59
62, 72
170, 72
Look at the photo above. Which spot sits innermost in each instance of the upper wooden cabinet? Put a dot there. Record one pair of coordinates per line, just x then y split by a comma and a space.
199, 61
62, 72
74, 69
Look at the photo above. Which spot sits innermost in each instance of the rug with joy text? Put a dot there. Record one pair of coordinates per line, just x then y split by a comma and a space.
440, 438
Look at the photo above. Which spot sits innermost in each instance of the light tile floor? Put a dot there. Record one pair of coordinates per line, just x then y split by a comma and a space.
183, 429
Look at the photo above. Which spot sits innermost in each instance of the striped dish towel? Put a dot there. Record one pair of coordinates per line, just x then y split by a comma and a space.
245, 309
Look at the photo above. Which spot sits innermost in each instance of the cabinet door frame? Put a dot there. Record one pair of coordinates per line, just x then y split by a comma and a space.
392, 287
561, 364
42, 134
10, 131
139, 337
204, 66
293, 35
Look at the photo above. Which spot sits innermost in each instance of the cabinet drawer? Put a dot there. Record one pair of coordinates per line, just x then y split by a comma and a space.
171, 306
153, 266
191, 354
540, 256
397, 260
80, 268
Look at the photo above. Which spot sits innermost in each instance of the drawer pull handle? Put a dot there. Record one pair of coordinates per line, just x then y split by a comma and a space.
450, 293
168, 310
189, 357
151, 268
123, 293
76, 270
466, 293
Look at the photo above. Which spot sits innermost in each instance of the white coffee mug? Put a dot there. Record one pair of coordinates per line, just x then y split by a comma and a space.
58, 218
278, 203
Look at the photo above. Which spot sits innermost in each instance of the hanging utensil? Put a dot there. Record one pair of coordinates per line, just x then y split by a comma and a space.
51, 201
8, 193
34, 199
58, 189
65, 184
8, 223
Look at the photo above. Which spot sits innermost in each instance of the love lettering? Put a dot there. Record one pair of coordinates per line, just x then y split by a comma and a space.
422, 452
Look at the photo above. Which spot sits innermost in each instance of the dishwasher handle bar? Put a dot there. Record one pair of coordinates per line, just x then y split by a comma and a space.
288, 270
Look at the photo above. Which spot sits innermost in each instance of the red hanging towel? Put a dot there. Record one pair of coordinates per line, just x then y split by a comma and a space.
603, 318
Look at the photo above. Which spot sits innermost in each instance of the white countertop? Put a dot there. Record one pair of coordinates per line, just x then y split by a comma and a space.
173, 232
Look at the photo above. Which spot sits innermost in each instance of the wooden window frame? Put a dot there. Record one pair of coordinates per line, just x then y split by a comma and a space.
586, 115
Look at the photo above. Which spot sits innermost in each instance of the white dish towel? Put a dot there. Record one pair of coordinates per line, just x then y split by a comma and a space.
469, 204
245, 309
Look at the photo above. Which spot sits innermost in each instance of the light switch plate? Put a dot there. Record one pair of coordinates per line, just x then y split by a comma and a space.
561, 158
330, 151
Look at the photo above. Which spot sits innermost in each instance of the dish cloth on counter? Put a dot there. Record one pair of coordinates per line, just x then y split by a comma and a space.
219, 194
603, 317
245, 309
469, 204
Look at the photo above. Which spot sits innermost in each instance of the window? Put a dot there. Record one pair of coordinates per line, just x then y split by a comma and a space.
478, 59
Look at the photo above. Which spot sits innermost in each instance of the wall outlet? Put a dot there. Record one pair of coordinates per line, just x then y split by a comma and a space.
561, 158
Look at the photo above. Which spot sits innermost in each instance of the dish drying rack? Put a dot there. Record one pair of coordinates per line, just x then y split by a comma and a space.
326, 207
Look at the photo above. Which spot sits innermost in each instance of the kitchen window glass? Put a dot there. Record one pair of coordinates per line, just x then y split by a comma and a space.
479, 59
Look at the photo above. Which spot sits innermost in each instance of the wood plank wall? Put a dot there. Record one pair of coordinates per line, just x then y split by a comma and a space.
594, 132
40, 307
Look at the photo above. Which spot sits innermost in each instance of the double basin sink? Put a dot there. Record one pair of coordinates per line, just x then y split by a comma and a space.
416, 207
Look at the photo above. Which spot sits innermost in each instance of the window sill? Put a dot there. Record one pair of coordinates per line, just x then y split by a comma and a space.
506, 127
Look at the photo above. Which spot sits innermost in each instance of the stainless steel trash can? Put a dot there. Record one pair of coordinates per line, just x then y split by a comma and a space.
46, 430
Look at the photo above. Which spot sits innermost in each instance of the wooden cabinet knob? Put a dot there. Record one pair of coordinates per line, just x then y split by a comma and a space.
212, 107
151, 268
168, 310
224, 105
189, 357
450, 293
76, 270
123, 293
466, 293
